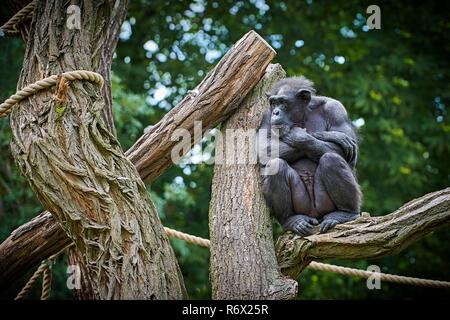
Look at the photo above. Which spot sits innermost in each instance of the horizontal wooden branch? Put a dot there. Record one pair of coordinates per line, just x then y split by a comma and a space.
214, 99
28, 245
367, 237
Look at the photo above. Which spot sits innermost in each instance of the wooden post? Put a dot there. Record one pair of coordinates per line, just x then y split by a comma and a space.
243, 263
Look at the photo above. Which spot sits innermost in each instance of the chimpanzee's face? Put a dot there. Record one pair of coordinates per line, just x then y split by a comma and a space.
282, 107
287, 106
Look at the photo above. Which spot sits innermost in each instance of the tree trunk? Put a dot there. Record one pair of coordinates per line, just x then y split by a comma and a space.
243, 263
86, 290
118, 15
249, 56
77, 168
57, 235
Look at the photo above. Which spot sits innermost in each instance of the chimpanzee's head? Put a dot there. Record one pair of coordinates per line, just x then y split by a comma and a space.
288, 98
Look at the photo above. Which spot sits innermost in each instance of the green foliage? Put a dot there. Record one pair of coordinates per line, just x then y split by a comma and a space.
394, 83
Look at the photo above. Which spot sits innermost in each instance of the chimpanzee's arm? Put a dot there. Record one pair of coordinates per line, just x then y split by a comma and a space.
264, 146
345, 141
340, 137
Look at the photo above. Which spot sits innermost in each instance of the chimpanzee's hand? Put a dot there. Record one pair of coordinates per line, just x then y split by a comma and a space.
327, 224
300, 224
280, 130
347, 143
296, 136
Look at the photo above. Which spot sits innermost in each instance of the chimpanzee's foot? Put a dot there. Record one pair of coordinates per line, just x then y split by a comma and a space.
300, 224
336, 217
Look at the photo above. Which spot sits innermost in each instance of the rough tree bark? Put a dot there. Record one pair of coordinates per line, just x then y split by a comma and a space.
111, 37
77, 168
218, 96
54, 234
367, 237
86, 290
243, 262
118, 15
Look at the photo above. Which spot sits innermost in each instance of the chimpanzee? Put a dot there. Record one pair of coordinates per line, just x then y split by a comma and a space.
314, 180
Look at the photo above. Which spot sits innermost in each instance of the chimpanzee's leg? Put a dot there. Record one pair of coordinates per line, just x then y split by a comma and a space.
287, 197
335, 181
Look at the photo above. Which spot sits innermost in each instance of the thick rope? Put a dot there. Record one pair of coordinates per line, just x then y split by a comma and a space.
187, 237
45, 270
5, 107
329, 267
382, 276
27, 288
10, 27
46, 282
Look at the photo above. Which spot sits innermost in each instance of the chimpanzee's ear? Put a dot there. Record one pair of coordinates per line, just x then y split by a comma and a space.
304, 94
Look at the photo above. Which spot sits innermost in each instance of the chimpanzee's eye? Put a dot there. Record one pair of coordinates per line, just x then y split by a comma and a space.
281, 101
277, 100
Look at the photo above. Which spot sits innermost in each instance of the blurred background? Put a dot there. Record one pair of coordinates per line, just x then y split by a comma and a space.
394, 82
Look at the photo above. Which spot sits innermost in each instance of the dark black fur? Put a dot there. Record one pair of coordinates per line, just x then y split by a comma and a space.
314, 180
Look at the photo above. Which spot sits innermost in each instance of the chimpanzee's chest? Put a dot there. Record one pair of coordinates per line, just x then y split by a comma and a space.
315, 122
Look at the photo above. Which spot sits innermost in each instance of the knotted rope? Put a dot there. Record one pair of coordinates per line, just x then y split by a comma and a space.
10, 27
5, 107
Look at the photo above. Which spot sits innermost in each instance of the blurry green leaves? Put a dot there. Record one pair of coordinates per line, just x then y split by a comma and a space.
404, 34
131, 113
397, 132
375, 95
405, 170
400, 82
177, 192
408, 61
396, 100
